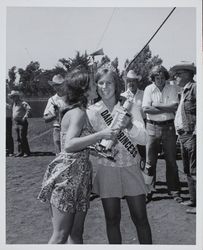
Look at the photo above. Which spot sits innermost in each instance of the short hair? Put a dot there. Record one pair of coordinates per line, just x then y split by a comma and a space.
75, 86
115, 77
156, 69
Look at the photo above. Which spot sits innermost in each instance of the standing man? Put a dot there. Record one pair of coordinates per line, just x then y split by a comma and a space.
133, 92
20, 112
160, 102
9, 137
185, 122
55, 105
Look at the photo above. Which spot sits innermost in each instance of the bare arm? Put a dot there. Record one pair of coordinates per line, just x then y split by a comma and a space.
27, 110
49, 117
76, 119
169, 108
152, 110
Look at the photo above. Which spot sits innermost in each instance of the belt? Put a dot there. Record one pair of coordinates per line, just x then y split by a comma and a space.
168, 122
181, 132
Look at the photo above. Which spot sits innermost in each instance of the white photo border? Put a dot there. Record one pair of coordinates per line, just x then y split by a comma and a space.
106, 3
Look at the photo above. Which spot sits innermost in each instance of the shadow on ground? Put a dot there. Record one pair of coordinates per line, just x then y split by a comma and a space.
41, 153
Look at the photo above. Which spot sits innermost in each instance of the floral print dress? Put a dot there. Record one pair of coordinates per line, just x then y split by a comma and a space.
67, 180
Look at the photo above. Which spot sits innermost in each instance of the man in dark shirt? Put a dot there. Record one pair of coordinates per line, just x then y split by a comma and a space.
185, 123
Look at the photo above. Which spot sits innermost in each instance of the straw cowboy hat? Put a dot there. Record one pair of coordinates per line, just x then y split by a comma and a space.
184, 66
132, 75
56, 80
15, 93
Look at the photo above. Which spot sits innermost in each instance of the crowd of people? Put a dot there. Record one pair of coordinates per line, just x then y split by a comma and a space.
82, 111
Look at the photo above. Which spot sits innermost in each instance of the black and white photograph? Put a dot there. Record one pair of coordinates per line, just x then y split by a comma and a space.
101, 131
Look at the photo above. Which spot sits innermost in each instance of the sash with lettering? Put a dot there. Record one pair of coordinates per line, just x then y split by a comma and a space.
122, 136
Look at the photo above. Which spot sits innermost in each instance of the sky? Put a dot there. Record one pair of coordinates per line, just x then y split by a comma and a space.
46, 34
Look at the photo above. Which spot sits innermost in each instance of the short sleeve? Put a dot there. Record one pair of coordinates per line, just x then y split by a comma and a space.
49, 108
147, 97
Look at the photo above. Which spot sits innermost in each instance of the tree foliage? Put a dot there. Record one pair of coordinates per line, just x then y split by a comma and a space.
80, 61
143, 65
12, 77
33, 80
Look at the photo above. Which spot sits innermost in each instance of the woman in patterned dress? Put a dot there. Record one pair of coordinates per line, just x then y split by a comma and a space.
123, 178
67, 180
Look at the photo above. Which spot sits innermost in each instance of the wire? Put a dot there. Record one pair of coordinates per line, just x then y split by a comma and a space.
150, 39
28, 54
107, 26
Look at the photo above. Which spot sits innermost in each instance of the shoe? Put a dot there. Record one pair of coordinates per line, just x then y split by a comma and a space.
19, 155
178, 199
93, 196
9, 155
26, 155
149, 197
191, 210
176, 196
188, 203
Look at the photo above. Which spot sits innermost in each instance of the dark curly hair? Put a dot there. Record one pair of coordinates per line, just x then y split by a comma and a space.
75, 86
156, 69
115, 77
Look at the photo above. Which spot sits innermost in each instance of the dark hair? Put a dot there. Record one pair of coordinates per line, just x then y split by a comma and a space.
115, 77
75, 86
156, 69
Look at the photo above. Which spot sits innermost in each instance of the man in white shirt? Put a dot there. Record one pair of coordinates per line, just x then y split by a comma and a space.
55, 105
20, 112
160, 102
133, 91
135, 94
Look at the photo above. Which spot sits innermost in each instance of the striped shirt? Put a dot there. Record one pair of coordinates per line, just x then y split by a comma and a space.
168, 95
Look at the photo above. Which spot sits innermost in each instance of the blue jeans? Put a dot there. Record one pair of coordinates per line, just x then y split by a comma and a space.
188, 151
165, 134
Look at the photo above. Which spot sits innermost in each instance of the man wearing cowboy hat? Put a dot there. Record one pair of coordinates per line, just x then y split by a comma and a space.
55, 105
20, 113
134, 93
133, 81
185, 123
160, 102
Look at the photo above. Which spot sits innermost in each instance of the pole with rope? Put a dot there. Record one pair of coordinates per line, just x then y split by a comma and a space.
128, 66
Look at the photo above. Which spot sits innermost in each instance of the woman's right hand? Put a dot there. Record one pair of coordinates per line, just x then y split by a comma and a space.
108, 133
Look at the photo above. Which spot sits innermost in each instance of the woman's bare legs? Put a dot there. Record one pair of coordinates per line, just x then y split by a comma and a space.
112, 211
62, 225
76, 236
137, 207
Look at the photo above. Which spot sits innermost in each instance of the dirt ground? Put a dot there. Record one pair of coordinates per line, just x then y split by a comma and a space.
28, 221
